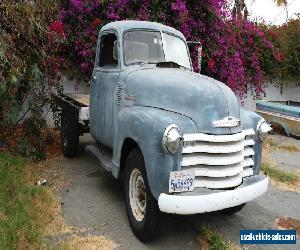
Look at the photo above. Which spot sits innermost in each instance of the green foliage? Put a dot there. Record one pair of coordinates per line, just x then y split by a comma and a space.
33, 145
232, 48
19, 226
27, 78
214, 239
280, 175
287, 39
26, 149
56, 110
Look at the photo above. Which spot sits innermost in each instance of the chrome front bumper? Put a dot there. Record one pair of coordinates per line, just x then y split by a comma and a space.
205, 200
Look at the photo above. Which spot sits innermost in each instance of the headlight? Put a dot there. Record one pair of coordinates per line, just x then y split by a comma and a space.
263, 129
172, 139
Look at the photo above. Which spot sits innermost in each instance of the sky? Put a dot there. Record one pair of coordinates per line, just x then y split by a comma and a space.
270, 12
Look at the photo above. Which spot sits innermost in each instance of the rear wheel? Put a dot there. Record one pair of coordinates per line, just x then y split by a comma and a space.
142, 208
69, 135
233, 210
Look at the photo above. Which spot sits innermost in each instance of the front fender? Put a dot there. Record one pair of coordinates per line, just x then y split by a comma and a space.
146, 125
251, 119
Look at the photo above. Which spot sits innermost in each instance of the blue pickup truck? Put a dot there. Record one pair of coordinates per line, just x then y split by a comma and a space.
178, 140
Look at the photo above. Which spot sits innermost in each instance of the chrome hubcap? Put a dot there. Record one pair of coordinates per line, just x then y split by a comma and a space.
137, 195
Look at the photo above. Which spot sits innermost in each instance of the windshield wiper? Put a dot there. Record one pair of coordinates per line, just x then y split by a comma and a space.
144, 63
164, 64
170, 64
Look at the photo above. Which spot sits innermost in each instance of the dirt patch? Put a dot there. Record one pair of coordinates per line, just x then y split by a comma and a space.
56, 232
273, 144
285, 187
13, 135
282, 179
267, 147
49, 204
50, 170
204, 242
270, 143
288, 223
289, 148
71, 237
209, 239
90, 243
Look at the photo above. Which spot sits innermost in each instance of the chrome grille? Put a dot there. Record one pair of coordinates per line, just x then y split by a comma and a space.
219, 161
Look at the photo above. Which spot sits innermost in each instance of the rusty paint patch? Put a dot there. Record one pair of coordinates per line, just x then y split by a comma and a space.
130, 98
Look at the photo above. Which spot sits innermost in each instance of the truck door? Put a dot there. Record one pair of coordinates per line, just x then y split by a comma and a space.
104, 81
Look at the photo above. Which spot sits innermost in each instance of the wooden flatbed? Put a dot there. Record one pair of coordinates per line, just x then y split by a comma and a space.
83, 99
75, 120
76, 107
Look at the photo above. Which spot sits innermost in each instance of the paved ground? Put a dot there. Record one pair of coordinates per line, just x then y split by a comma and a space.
285, 140
94, 200
286, 160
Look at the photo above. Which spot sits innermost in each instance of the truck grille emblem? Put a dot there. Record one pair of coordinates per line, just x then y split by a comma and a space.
227, 122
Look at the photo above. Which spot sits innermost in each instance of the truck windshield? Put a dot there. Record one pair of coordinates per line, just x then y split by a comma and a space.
147, 47
176, 51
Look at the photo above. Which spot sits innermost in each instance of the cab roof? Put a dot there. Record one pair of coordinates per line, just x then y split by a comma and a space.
122, 26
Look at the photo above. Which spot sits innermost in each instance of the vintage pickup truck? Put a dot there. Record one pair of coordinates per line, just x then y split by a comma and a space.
178, 140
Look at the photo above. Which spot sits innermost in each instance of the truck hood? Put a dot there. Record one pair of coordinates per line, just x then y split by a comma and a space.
198, 97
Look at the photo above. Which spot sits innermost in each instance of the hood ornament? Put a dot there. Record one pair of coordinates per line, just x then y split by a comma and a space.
227, 122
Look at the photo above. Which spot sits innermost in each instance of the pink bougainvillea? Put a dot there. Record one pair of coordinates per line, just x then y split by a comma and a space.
57, 28
232, 49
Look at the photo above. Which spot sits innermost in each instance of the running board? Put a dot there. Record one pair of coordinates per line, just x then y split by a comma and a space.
102, 154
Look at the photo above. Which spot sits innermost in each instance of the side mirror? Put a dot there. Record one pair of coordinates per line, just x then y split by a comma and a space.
199, 53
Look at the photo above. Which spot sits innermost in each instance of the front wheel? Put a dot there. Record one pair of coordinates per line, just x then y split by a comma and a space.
142, 208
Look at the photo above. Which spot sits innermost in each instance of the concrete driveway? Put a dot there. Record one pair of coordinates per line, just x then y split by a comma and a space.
94, 200
285, 159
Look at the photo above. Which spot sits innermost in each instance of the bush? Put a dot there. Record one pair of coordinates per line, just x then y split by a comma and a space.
28, 69
233, 49
287, 39
25, 210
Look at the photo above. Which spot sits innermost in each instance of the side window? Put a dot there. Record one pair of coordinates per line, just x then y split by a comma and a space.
108, 51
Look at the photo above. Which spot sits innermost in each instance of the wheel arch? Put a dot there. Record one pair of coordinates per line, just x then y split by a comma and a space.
128, 145
144, 127
280, 127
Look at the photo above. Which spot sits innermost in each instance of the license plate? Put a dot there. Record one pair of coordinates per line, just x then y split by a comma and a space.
181, 181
